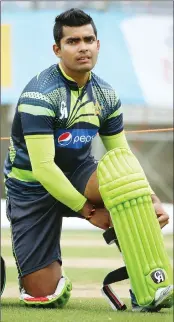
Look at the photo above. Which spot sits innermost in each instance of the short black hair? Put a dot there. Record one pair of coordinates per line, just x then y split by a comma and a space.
71, 18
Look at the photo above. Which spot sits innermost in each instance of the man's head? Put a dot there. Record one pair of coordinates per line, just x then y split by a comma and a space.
76, 41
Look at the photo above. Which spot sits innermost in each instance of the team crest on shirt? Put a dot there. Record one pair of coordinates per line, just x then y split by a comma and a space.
63, 110
97, 108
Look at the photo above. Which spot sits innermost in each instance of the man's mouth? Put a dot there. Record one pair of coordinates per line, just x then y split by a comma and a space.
84, 59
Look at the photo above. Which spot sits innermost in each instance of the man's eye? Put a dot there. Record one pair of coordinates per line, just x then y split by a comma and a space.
90, 40
71, 41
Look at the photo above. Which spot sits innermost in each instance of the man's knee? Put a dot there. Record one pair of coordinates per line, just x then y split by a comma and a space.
42, 282
46, 288
92, 192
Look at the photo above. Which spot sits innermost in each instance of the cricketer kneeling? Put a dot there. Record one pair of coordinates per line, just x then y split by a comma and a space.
126, 195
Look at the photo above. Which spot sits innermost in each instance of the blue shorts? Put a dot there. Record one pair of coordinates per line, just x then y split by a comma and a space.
36, 224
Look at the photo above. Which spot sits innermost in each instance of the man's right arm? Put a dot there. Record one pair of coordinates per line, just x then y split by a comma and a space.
41, 152
37, 120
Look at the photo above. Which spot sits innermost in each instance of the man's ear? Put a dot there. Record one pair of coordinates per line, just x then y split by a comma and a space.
98, 45
57, 50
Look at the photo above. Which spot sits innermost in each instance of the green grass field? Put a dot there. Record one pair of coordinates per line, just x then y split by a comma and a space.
87, 259
78, 310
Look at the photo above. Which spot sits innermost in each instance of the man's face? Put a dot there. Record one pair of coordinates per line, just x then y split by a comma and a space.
78, 49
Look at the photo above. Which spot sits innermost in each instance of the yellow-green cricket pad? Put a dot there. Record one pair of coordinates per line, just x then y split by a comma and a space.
126, 194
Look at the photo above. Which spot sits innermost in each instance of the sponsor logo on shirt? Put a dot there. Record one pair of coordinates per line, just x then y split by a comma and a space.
65, 138
75, 139
83, 139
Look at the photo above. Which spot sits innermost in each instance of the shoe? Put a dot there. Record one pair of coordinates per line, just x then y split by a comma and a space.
136, 307
163, 299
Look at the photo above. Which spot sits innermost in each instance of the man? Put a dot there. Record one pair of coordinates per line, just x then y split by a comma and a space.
49, 170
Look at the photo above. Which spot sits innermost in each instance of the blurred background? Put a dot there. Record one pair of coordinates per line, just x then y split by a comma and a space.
136, 58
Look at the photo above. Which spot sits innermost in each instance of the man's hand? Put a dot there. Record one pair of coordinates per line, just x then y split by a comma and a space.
98, 217
162, 216
88, 210
101, 218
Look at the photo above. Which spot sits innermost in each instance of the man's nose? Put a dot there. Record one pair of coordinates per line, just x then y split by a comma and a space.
83, 47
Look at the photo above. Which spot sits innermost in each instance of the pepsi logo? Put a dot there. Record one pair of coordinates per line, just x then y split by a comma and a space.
65, 138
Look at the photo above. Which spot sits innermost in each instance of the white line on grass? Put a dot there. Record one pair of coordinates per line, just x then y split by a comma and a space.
79, 290
77, 262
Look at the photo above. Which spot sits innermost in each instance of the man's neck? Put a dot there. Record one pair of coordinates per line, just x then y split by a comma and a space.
80, 78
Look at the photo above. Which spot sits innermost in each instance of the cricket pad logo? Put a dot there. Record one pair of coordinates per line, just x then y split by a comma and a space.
65, 138
158, 276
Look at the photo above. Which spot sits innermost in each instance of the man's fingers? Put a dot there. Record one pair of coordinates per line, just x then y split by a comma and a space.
161, 213
163, 218
164, 223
